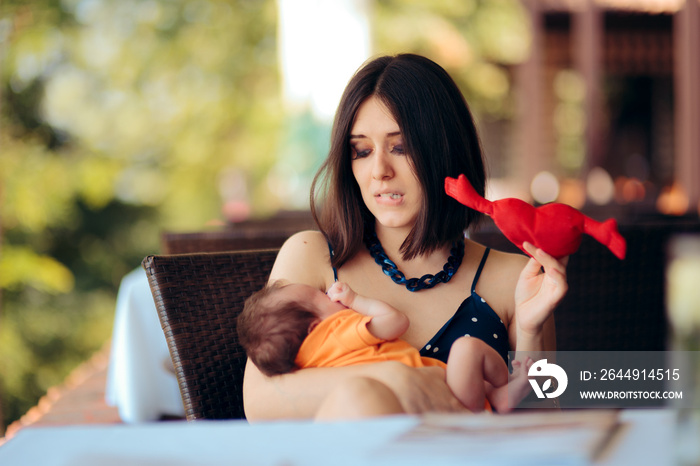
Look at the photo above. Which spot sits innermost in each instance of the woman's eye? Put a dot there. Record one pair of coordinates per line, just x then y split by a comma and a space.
359, 154
397, 149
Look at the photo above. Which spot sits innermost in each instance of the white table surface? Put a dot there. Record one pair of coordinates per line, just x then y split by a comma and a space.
646, 438
138, 383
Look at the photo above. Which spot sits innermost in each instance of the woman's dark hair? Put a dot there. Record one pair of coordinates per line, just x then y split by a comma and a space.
271, 332
440, 139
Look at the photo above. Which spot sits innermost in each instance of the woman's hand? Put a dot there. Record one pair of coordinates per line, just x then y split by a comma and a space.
419, 390
538, 293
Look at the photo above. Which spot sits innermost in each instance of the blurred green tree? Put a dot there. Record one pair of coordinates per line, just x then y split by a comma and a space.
476, 41
118, 118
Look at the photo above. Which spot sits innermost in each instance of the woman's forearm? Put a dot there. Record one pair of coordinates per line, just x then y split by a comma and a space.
530, 342
297, 395
285, 396
533, 342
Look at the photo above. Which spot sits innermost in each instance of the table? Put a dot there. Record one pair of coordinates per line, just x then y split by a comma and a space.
139, 383
646, 437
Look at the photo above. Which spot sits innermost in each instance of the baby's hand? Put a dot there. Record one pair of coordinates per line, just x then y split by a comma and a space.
341, 292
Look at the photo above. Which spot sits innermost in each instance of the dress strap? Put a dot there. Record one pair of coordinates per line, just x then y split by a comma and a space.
335, 272
478, 271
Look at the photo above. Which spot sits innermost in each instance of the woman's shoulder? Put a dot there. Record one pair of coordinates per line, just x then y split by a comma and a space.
502, 269
507, 262
498, 281
510, 262
306, 242
304, 258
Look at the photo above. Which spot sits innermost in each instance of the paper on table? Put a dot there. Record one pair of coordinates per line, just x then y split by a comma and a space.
573, 437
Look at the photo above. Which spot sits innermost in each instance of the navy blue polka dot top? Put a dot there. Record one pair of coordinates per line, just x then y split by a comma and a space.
474, 317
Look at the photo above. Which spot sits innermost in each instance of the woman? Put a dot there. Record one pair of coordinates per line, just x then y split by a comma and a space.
402, 126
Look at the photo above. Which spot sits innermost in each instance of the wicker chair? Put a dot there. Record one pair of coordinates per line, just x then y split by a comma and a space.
266, 233
198, 297
224, 240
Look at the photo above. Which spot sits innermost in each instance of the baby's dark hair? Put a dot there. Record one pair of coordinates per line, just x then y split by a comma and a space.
271, 331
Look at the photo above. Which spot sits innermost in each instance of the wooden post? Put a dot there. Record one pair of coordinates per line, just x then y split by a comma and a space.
529, 153
588, 37
686, 36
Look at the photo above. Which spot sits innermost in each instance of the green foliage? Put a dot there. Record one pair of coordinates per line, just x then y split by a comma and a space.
117, 120
475, 40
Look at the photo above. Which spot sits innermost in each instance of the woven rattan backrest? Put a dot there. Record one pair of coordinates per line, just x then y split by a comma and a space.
199, 297
224, 240
262, 233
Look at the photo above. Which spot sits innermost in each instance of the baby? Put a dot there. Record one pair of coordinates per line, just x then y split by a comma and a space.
287, 327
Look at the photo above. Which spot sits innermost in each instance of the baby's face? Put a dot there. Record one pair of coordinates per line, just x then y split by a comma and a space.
320, 302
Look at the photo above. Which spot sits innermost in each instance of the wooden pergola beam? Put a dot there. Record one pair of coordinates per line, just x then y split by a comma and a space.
587, 45
530, 158
686, 36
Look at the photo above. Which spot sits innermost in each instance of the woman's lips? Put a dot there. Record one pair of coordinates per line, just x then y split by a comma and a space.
389, 198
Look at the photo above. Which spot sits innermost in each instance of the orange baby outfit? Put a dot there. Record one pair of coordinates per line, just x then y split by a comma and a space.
344, 340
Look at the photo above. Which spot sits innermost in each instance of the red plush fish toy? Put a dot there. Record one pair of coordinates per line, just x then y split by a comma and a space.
555, 228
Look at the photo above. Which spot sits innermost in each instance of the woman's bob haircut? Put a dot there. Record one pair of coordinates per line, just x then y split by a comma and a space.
440, 139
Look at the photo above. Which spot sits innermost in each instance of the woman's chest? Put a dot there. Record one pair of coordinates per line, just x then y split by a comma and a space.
427, 310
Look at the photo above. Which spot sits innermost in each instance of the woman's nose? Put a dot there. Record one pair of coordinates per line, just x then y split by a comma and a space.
382, 168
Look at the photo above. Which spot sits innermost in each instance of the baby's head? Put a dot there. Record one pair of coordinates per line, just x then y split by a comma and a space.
275, 321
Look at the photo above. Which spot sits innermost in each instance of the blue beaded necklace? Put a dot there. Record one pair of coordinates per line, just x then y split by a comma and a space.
414, 284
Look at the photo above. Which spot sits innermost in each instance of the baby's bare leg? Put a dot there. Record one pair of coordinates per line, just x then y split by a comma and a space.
472, 368
476, 372
358, 398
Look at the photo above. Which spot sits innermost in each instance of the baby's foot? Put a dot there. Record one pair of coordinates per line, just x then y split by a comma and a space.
507, 397
341, 292
518, 384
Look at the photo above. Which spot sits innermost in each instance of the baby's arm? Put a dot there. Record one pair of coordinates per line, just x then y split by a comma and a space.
387, 322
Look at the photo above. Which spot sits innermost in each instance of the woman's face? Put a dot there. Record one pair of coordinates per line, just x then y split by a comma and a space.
389, 186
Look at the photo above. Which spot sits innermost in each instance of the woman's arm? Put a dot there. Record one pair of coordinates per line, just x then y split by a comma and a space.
295, 395
303, 258
298, 395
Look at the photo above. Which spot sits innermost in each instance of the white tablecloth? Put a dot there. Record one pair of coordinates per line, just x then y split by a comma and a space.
646, 437
138, 382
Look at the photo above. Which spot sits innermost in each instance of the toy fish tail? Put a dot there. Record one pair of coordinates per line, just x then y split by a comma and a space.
461, 190
607, 233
